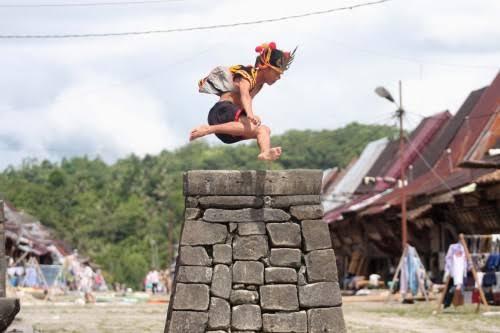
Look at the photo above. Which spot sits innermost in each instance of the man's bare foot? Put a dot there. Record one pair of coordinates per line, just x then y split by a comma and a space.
270, 155
198, 132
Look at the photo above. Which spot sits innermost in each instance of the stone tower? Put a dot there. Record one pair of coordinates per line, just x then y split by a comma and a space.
254, 256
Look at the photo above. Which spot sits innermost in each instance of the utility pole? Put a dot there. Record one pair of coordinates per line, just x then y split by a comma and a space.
400, 114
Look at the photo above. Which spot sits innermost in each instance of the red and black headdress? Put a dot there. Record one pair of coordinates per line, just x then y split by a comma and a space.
270, 56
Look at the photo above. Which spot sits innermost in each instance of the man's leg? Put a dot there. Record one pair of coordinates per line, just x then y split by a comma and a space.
243, 128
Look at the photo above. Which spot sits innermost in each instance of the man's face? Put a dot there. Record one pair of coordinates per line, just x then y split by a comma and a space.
272, 76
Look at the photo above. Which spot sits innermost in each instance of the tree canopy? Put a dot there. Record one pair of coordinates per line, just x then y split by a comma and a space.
115, 213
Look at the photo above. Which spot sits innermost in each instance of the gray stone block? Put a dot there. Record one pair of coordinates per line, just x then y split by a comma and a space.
265, 261
294, 200
250, 247
188, 322
231, 202
229, 239
223, 254
219, 314
280, 275
191, 297
194, 274
282, 182
245, 215
246, 317
327, 320
309, 212
321, 294
221, 282
194, 256
280, 297
244, 297
284, 234
251, 228
248, 272
192, 213
202, 233
286, 257
302, 276
316, 235
321, 266
191, 202
285, 322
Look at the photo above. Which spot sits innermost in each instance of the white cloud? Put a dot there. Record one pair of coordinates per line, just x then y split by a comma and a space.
95, 117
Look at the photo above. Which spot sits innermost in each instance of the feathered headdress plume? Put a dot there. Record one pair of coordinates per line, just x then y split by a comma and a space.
270, 56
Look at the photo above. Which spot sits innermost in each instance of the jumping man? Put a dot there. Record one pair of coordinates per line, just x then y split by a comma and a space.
232, 118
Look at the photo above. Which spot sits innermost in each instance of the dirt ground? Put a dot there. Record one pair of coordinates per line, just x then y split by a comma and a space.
126, 316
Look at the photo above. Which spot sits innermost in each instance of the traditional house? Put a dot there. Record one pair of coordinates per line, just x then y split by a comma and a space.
26, 237
443, 197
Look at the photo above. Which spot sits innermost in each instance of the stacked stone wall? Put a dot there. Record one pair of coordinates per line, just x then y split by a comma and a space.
254, 256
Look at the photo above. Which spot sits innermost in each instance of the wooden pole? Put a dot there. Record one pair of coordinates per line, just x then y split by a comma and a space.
421, 283
474, 272
400, 114
441, 298
395, 277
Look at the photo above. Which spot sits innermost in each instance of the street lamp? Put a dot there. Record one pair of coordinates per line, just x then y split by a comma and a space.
384, 93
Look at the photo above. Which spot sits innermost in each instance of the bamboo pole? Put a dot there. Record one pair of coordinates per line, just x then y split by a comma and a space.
441, 298
474, 272
420, 282
395, 277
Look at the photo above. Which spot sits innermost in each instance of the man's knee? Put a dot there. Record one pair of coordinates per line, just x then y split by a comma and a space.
264, 129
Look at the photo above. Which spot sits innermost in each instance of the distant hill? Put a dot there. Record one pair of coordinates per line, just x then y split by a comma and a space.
114, 212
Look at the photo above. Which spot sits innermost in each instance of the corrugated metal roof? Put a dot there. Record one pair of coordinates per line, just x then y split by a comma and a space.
479, 155
388, 164
472, 127
461, 133
380, 166
435, 148
346, 186
422, 135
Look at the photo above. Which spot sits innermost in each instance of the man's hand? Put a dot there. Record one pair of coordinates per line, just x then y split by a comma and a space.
254, 120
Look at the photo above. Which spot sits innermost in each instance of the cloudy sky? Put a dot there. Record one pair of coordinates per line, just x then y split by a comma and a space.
112, 96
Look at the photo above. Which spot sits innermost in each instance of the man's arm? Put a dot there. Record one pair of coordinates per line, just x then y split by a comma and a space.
256, 90
246, 100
